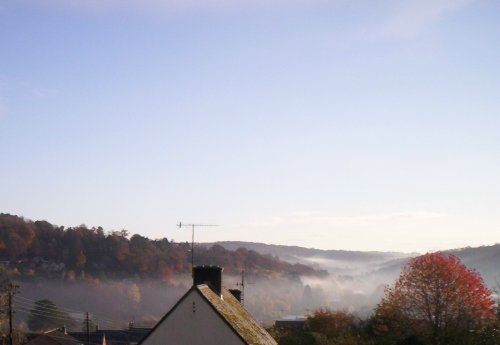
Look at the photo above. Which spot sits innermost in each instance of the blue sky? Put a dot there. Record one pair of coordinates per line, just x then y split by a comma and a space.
331, 124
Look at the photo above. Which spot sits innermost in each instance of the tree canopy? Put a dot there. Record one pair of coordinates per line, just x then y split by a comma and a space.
42, 249
45, 315
324, 327
435, 300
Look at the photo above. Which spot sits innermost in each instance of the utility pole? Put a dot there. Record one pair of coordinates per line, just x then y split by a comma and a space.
87, 321
12, 291
11, 338
180, 225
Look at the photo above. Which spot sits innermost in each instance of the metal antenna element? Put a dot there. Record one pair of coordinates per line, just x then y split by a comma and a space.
180, 225
242, 285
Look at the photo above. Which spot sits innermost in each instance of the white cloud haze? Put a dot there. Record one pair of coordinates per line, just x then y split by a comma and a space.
315, 218
410, 18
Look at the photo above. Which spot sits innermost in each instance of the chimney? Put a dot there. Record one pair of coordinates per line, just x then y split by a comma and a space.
210, 275
236, 293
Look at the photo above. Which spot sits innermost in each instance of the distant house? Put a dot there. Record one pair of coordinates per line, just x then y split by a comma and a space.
60, 336
54, 337
291, 321
130, 336
208, 315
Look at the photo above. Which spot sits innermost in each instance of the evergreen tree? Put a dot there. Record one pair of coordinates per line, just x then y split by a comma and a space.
46, 316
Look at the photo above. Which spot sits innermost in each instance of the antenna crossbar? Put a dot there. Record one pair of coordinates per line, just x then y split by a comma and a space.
180, 225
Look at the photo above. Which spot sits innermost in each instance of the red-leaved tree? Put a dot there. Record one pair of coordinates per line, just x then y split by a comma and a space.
435, 300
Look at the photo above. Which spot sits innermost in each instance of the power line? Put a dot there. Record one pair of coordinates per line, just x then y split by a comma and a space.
54, 314
69, 310
58, 307
51, 315
52, 309
29, 306
46, 309
45, 315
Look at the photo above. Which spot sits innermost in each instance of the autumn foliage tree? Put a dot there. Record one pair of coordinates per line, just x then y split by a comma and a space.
436, 300
41, 249
324, 327
333, 324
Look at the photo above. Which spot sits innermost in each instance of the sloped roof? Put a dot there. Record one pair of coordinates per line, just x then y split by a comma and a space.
54, 337
231, 310
113, 336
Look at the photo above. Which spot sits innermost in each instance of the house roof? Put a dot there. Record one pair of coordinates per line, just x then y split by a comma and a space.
230, 310
113, 336
54, 337
240, 320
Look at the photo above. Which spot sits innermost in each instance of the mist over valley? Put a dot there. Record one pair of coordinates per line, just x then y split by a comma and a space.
119, 278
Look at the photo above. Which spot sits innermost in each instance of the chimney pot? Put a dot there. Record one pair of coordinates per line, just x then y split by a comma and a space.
236, 293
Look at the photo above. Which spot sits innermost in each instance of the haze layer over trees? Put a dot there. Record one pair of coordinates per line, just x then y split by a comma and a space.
436, 300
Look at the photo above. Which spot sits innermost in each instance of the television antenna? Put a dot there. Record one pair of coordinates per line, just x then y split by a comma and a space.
241, 285
180, 225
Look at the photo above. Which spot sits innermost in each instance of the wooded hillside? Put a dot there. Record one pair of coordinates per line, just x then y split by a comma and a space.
39, 248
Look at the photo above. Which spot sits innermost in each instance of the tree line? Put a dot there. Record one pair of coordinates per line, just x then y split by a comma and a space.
436, 300
41, 249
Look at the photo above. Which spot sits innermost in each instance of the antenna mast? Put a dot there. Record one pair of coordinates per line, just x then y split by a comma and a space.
242, 285
180, 225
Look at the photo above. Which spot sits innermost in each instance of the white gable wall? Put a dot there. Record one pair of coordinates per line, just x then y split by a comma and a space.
183, 326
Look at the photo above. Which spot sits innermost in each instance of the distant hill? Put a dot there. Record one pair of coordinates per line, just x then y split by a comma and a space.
31, 249
133, 277
485, 259
295, 253
334, 261
385, 265
40, 249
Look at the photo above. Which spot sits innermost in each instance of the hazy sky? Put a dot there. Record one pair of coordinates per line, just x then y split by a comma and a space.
364, 125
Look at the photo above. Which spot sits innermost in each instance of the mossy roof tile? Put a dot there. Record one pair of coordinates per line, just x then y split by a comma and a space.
231, 310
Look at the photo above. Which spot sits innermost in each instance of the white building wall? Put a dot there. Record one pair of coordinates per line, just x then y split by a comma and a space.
190, 324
